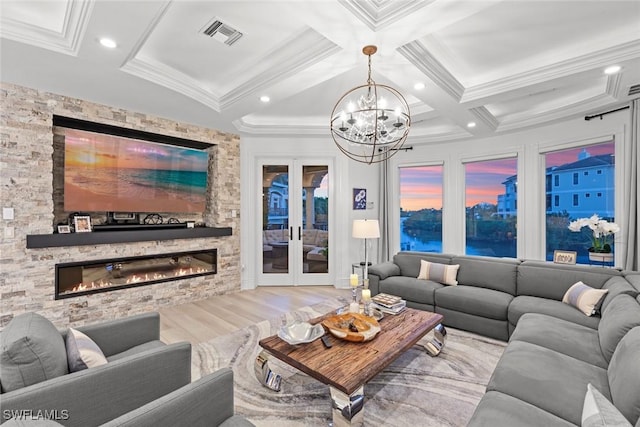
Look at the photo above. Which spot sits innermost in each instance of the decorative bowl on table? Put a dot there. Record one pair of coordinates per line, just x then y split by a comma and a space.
354, 327
300, 332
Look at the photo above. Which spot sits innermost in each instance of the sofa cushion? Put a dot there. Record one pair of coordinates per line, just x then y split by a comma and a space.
82, 352
562, 336
546, 280
584, 298
527, 304
32, 351
617, 285
493, 273
409, 262
441, 273
599, 412
472, 300
499, 409
552, 381
410, 289
622, 314
624, 376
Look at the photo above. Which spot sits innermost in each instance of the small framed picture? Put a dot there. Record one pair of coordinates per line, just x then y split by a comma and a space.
64, 229
564, 257
82, 224
359, 199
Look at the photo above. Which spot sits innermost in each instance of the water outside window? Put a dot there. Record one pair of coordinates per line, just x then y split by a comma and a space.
491, 194
421, 208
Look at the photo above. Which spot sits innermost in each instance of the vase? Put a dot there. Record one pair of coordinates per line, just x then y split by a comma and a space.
600, 257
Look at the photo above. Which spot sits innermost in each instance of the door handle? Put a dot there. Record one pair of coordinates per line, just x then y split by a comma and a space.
291, 233
299, 233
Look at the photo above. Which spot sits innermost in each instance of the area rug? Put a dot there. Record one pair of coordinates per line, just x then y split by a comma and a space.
415, 390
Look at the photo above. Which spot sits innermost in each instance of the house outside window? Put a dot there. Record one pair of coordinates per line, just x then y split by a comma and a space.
572, 201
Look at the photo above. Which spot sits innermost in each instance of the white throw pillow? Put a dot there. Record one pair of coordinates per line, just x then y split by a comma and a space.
597, 411
441, 273
82, 351
584, 298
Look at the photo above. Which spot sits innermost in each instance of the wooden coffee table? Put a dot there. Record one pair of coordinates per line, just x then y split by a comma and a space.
347, 366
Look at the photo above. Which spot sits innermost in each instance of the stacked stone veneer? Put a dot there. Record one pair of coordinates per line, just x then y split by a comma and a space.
27, 176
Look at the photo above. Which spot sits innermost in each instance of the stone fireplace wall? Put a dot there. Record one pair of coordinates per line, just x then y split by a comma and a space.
27, 165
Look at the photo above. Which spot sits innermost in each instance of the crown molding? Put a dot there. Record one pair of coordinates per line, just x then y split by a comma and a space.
620, 53
418, 55
526, 119
67, 41
485, 116
288, 59
382, 13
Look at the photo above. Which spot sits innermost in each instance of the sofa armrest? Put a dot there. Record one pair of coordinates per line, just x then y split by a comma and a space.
118, 335
207, 401
97, 395
384, 270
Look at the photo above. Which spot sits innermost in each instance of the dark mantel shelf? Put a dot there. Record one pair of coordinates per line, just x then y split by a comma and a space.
122, 236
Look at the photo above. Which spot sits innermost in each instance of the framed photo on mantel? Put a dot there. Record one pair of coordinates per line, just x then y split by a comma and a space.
82, 224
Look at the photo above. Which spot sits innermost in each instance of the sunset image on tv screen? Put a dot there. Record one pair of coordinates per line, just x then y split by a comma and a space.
107, 173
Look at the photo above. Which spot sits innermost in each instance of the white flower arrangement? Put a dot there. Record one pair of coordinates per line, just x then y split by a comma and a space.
601, 229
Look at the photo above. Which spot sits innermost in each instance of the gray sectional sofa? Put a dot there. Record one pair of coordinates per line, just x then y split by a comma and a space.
554, 349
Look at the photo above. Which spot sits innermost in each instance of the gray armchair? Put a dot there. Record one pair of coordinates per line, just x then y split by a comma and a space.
143, 379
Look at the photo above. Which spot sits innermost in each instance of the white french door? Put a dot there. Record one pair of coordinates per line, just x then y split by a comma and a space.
293, 222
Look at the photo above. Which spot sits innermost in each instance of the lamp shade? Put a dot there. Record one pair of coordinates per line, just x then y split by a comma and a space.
366, 229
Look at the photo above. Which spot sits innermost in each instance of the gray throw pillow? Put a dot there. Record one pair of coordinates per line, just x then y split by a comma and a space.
31, 351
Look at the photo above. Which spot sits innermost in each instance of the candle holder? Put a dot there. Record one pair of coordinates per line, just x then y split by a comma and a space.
367, 308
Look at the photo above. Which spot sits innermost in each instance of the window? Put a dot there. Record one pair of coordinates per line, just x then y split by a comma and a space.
597, 164
491, 207
556, 180
421, 208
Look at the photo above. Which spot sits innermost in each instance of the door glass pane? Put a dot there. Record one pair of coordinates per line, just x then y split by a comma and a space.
421, 208
583, 185
275, 219
315, 219
491, 200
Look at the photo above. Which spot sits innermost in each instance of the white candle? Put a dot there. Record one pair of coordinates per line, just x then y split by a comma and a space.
353, 280
366, 295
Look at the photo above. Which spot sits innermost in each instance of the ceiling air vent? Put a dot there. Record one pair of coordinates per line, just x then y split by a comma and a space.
634, 90
222, 32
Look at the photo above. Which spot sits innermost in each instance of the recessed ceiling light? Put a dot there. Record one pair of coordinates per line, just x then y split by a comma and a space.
471, 124
418, 86
612, 70
265, 98
108, 43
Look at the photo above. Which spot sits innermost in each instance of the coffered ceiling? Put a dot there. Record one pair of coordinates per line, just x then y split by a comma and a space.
504, 65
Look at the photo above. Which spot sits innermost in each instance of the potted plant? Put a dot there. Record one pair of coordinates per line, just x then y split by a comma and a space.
599, 230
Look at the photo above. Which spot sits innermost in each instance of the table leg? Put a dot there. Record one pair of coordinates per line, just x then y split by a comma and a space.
347, 409
264, 374
435, 345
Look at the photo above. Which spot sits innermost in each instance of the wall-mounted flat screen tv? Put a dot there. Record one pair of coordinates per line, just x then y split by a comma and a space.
112, 173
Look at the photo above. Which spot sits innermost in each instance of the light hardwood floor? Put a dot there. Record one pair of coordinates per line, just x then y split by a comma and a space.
203, 320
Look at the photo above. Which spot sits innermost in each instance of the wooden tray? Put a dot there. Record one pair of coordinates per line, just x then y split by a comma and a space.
354, 327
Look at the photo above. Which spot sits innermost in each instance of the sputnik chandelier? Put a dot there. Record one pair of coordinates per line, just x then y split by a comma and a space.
370, 123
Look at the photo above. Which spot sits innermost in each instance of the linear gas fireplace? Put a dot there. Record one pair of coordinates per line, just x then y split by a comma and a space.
81, 278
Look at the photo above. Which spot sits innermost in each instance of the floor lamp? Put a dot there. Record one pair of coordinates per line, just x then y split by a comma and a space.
366, 229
